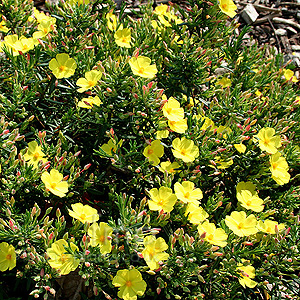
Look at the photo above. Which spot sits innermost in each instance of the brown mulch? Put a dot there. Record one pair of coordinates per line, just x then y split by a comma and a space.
277, 24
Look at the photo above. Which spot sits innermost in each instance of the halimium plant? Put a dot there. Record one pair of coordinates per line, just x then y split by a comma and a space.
145, 154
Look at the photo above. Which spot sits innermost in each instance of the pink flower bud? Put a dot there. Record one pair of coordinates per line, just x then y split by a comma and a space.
77, 153
51, 236
86, 167
66, 178
52, 291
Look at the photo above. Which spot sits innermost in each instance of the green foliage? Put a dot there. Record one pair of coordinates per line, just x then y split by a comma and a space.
228, 93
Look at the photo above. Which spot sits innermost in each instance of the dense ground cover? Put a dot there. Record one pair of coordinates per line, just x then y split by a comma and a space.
149, 154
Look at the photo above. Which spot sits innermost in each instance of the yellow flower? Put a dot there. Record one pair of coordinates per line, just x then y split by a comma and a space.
130, 283
246, 186
248, 197
224, 130
268, 226
24, 44
162, 134
111, 147
289, 74
9, 42
40, 17
100, 234
279, 169
172, 17
246, 274
61, 259
228, 7
172, 110
215, 236
241, 148
89, 102
153, 152
34, 154
54, 183
78, 2
44, 28
169, 167
84, 213
90, 80
141, 66
240, 224
178, 126
7, 257
161, 9
153, 252
155, 25
111, 21
268, 141
162, 199
249, 201
196, 214
223, 163
207, 122
62, 66
185, 149
123, 37
192, 101
163, 21
225, 82
3, 28
187, 193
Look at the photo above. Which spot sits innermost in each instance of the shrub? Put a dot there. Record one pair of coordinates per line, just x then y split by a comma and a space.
150, 154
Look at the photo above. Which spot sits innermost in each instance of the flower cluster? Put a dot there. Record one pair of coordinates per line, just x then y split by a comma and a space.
149, 154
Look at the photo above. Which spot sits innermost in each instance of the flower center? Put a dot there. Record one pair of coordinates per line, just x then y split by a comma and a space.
101, 238
224, 6
248, 203
268, 229
62, 68
53, 185
91, 83
36, 156
63, 258
210, 237
266, 141
187, 195
83, 217
124, 40
8, 257
160, 202
151, 253
150, 151
274, 165
141, 70
240, 226
183, 152
128, 283
169, 110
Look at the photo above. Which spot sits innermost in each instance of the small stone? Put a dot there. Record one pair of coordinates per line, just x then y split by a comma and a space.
249, 14
221, 71
280, 31
291, 29
296, 47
